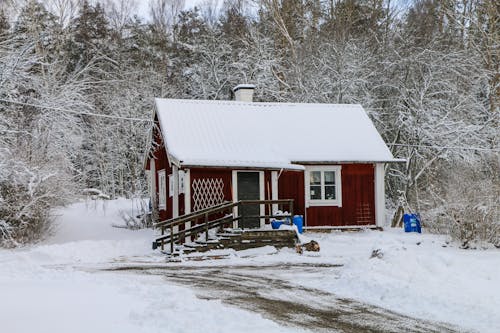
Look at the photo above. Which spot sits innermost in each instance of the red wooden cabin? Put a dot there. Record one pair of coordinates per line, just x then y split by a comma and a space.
329, 158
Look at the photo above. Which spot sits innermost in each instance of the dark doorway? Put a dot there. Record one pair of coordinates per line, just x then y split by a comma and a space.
249, 189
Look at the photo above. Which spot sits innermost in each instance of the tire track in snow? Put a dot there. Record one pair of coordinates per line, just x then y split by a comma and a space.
259, 289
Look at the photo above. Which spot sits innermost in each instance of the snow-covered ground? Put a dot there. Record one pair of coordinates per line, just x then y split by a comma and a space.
55, 286
42, 290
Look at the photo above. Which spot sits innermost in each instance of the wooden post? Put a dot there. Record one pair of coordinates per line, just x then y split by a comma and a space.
162, 241
291, 211
171, 240
206, 227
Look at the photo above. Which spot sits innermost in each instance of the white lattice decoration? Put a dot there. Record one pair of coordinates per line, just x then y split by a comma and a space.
207, 192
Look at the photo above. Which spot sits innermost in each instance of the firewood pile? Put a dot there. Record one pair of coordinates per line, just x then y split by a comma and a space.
311, 246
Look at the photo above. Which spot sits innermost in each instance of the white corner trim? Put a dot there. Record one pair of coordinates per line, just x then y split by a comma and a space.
274, 190
187, 194
175, 198
379, 194
187, 191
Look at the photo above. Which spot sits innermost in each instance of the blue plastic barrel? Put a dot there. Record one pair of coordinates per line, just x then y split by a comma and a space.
298, 220
412, 223
275, 224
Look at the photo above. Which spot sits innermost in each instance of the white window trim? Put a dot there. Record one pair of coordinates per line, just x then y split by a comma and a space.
162, 190
338, 186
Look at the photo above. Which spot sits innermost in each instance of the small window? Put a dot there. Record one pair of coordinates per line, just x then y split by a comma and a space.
162, 190
182, 176
323, 186
170, 185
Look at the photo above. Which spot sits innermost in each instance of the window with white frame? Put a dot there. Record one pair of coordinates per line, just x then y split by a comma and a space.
182, 176
323, 186
162, 190
170, 185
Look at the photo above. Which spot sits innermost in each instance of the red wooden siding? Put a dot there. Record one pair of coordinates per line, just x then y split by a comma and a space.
319, 216
291, 186
161, 162
358, 194
358, 200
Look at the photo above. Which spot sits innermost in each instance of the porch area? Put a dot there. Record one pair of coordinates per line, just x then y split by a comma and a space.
224, 226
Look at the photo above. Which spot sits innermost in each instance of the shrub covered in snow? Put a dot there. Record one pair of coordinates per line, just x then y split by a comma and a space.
26, 198
470, 207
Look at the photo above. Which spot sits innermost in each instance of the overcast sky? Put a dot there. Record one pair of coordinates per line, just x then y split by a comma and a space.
143, 6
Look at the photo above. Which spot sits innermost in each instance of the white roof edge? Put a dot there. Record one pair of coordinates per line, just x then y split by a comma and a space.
236, 164
263, 104
296, 165
394, 160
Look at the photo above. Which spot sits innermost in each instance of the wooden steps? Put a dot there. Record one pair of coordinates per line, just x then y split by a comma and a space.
257, 238
244, 239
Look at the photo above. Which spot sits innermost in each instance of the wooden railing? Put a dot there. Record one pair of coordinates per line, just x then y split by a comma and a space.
210, 218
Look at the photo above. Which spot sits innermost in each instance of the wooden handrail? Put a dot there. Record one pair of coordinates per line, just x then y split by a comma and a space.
216, 209
265, 202
199, 213
210, 224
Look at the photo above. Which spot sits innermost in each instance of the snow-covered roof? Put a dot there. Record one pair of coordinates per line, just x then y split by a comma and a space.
268, 135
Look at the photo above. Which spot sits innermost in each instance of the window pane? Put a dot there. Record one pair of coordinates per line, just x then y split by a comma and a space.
329, 177
315, 192
315, 178
330, 192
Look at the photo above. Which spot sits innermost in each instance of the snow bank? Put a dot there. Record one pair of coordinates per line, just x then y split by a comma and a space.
419, 275
38, 299
53, 287
56, 287
94, 220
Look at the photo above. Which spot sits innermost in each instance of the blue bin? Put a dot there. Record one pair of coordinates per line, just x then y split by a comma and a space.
412, 223
298, 220
276, 224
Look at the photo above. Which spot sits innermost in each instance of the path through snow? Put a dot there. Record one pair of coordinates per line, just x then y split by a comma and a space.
260, 289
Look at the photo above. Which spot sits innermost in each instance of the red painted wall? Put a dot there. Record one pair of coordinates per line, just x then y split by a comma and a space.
291, 186
358, 200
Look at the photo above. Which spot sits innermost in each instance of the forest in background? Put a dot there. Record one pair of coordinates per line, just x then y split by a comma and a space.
78, 79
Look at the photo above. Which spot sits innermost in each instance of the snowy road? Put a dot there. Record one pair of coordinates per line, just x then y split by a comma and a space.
262, 289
